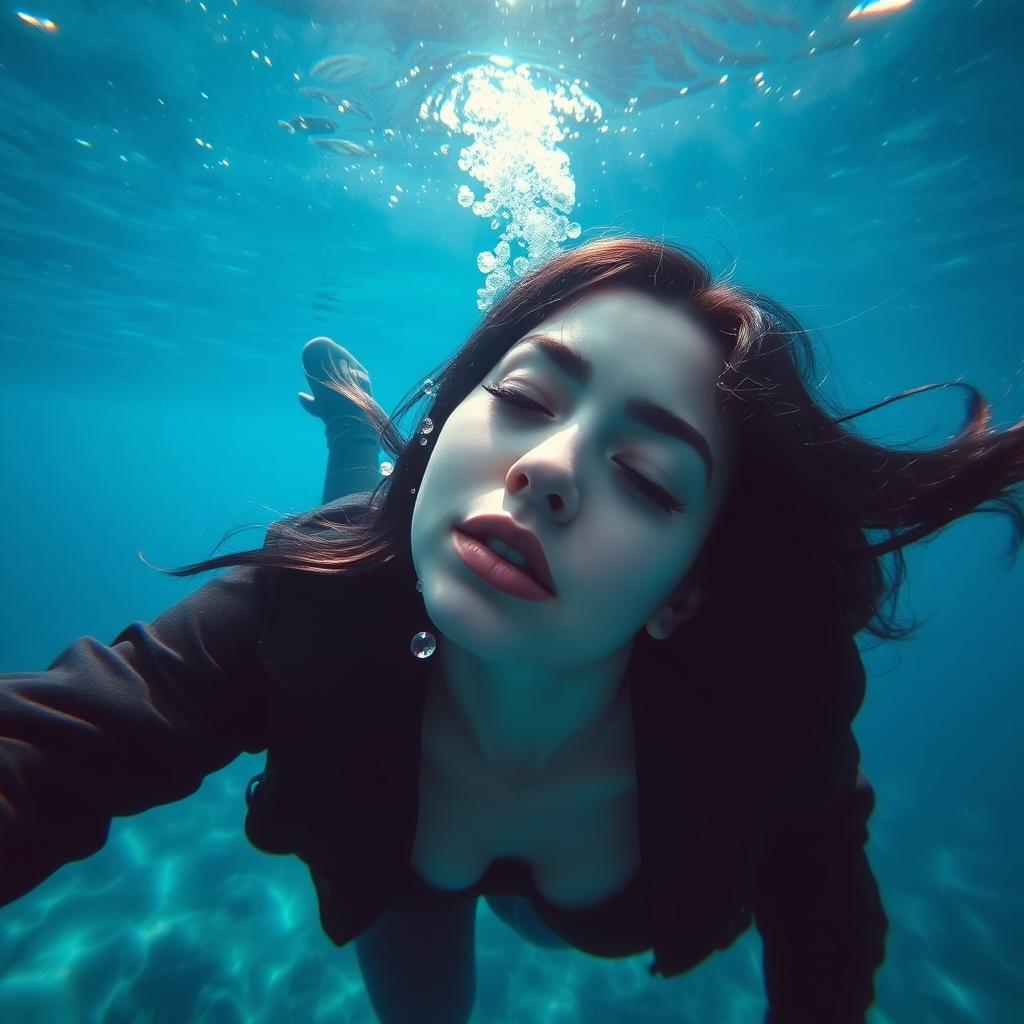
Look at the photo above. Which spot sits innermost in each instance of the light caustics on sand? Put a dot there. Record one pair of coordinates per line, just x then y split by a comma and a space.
517, 117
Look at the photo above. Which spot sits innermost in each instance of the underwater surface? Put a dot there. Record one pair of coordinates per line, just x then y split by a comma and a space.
191, 190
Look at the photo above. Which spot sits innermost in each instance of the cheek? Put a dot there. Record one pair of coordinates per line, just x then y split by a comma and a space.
445, 448
616, 596
450, 466
607, 562
638, 571
463, 445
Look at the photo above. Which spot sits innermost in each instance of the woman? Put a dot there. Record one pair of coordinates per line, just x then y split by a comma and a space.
632, 733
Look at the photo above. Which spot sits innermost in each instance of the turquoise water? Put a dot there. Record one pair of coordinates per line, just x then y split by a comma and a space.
167, 247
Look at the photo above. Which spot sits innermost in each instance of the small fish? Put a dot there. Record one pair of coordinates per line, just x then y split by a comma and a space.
341, 68
323, 95
310, 125
359, 108
339, 103
343, 147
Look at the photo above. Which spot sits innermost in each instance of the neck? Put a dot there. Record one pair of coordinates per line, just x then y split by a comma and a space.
525, 721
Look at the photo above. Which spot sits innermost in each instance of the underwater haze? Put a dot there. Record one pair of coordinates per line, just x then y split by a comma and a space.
191, 190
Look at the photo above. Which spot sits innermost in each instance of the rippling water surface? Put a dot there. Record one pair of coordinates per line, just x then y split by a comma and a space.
189, 191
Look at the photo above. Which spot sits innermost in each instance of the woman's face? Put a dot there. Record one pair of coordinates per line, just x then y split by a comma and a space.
567, 472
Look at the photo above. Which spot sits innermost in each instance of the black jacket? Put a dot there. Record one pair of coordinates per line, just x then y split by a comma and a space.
751, 803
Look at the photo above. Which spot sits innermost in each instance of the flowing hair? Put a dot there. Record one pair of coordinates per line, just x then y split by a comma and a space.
813, 508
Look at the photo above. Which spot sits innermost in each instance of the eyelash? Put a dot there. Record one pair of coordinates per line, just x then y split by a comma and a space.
650, 490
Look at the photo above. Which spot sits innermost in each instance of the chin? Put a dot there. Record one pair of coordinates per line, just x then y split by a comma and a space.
479, 626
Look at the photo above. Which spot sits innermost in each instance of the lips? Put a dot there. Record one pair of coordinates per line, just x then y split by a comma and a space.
505, 529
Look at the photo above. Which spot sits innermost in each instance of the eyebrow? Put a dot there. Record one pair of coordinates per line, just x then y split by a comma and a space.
575, 365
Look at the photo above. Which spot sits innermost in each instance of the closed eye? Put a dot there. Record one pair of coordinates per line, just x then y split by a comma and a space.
661, 497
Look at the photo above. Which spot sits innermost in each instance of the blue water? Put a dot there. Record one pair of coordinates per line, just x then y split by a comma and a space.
166, 250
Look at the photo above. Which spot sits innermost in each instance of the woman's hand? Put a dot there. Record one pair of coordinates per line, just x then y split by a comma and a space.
322, 360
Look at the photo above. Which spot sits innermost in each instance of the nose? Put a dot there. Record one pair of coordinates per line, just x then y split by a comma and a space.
545, 476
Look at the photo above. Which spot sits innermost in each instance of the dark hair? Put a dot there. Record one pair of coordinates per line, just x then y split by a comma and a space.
806, 493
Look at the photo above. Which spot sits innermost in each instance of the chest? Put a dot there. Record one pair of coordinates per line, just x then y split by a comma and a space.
577, 829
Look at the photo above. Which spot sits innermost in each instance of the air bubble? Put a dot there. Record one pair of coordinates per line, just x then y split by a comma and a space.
427, 426
514, 126
419, 583
386, 469
497, 280
423, 441
423, 645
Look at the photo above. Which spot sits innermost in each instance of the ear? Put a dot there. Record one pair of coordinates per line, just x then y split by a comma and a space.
671, 615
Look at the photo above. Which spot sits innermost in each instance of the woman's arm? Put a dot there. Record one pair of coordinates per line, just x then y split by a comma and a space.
819, 911
352, 444
111, 730
816, 902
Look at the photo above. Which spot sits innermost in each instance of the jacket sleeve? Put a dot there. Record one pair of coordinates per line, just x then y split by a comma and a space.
111, 730
817, 905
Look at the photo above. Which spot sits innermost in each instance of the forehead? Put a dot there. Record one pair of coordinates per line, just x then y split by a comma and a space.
634, 337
